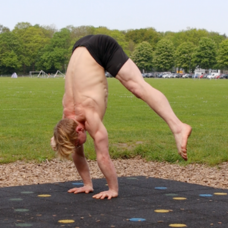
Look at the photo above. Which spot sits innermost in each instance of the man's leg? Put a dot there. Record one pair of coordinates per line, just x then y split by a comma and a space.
130, 76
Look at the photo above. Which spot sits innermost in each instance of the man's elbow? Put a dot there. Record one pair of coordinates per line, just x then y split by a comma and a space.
101, 138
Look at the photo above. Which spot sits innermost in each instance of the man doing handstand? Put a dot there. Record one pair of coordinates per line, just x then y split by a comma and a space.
85, 103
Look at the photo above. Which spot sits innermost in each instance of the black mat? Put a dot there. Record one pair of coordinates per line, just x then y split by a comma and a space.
142, 202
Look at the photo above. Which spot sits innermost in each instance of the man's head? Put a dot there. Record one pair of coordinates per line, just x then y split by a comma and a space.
68, 135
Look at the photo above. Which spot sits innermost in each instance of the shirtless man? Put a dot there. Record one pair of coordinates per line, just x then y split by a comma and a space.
85, 103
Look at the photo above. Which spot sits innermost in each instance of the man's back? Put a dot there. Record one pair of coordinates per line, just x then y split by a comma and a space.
85, 86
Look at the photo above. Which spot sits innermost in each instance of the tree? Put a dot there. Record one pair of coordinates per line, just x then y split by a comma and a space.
131, 47
18, 28
9, 61
216, 37
183, 55
32, 40
55, 55
164, 55
193, 36
139, 35
4, 29
78, 32
48, 30
190, 35
222, 57
142, 56
205, 55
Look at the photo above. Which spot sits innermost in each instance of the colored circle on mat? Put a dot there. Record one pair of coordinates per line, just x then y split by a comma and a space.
27, 192
220, 193
23, 224
171, 194
15, 199
78, 184
179, 198
177, 225
137, 219
205, 195
66, 221
160, 188
44, 195
21, 210
161, 211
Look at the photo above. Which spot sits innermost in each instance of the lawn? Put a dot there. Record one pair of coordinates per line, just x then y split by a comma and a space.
30, 108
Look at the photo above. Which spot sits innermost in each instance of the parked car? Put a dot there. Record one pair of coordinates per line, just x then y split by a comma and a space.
196, 76
187, 76
150, 75
160, 75
165, 75
169, 75
177, 75
156, 74
224, 76
212, 76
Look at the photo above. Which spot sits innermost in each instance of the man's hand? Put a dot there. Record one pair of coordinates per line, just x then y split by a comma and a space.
86, 189
109, 194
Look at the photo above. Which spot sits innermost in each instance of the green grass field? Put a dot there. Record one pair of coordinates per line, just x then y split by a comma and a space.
30, 108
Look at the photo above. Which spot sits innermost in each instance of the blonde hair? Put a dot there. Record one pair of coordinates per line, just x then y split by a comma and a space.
65, 136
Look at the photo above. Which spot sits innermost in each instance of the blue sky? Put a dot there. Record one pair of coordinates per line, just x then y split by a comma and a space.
163, 15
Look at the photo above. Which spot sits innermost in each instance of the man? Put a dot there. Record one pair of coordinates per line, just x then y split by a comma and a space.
85, 102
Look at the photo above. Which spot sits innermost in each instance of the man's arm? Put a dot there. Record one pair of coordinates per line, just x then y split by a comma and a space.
83, 170
99, 134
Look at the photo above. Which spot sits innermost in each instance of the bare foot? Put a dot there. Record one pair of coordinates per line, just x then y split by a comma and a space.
182, 140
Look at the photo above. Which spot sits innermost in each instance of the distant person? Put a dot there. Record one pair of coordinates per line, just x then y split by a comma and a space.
85, 103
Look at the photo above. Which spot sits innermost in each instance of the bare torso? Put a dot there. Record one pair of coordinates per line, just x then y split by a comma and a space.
86, 87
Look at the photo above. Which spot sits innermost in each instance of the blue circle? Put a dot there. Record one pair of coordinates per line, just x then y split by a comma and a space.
78, 184
137, 219
205, 195
160, 188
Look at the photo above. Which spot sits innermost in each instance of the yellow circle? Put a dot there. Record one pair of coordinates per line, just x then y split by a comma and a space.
220, 193
162, 211
44, 195
177, 225
66, 221
179, 198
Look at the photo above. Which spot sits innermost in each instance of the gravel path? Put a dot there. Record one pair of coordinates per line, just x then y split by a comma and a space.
21, 173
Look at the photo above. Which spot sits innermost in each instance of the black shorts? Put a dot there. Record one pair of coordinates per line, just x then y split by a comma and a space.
105, 50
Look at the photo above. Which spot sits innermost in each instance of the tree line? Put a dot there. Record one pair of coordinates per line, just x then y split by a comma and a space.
33, 48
